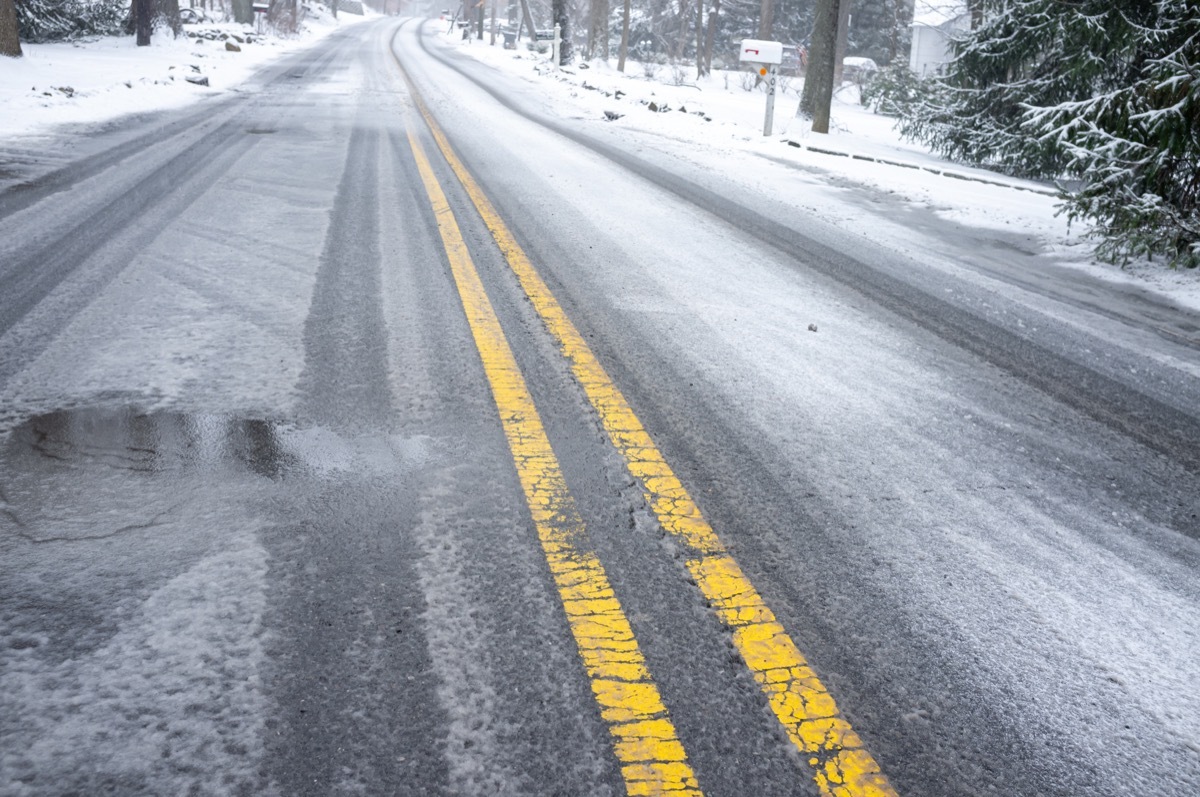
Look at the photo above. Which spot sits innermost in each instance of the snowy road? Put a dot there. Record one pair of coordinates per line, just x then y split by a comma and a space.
308, 486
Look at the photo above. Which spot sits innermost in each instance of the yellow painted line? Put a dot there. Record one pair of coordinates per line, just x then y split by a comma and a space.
841, 765
653, 761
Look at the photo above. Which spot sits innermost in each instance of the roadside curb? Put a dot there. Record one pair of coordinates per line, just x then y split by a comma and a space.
970, 178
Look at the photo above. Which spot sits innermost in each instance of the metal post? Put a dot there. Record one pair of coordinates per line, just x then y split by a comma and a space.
557, 43
772, 79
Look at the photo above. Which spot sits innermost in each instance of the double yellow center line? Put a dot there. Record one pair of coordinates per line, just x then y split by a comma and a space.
652, 758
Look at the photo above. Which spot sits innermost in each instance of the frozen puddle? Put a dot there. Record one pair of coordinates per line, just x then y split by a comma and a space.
134, 583
132, 591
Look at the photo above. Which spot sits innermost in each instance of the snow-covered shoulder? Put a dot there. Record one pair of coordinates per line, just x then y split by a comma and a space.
103, 78
716, 123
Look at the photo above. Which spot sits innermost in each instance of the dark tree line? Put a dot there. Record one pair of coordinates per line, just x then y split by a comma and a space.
706, 33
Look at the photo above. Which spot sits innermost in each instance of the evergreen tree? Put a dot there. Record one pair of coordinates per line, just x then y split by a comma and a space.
1102, 90
1138, 146
1027, 53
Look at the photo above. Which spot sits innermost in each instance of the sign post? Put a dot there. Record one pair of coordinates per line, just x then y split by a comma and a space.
772, 80
768, 56
261, 7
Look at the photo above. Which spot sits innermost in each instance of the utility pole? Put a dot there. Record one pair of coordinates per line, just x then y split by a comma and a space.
818, 80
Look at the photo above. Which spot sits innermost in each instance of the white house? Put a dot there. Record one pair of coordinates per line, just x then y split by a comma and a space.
935, 22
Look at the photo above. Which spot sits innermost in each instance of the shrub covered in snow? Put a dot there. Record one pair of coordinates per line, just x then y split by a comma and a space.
59, 20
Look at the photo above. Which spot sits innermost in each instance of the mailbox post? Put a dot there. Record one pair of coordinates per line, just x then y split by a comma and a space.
768, 55
261, 7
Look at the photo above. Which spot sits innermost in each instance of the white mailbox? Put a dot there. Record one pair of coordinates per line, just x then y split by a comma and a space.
768, 56
756, 51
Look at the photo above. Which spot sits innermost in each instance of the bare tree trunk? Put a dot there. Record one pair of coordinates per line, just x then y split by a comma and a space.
492, 43
532, 31
597, 43
605, 43
766, 20
562, 18
143, 12
904, 10
843, 35
624, 38
894, 41
711, 35
169, 10
10, 41
589, 48
700, 70
976, 9
818, 81
589, 51
681, 43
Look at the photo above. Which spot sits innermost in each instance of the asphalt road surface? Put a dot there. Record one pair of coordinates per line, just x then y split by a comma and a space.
375, 431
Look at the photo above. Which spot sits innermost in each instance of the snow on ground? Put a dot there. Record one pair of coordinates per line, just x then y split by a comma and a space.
107, 77
719, 121
708, 121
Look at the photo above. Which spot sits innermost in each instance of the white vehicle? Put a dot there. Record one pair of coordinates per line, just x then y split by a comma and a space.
857, 69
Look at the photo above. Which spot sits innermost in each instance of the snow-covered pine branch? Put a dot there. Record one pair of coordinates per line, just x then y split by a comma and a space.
1106, 92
